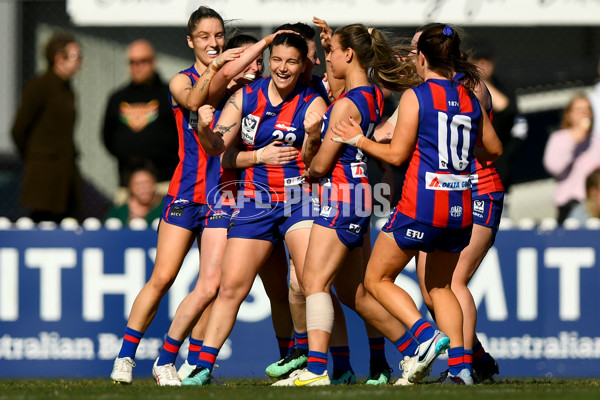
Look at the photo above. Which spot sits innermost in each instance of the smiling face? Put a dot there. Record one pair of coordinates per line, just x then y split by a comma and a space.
207, 40
251, 73
286, 66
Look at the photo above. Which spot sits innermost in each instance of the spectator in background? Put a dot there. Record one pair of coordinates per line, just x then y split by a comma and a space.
510, 127
143, 200
43, 135
591, 207
595, 100
139, 123
571, 154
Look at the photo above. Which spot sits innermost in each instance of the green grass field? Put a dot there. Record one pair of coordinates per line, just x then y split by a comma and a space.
511, 389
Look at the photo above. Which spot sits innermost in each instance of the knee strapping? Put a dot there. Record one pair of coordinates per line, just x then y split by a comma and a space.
319, 312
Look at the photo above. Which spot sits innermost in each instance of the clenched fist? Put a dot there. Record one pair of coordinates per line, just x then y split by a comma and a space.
205, 116
312, 123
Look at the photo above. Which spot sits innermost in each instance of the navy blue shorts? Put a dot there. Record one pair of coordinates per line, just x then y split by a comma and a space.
487, 211
185, 214
414, 235
349, 225
254, 220
218, 217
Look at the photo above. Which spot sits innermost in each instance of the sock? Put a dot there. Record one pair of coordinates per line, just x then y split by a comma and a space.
131, 340
207, 357
469, 360
285, 346
169, 351
193, 351
422, 330
407, 345
301, 340
317, 362
341, 358
456, 362
377, 348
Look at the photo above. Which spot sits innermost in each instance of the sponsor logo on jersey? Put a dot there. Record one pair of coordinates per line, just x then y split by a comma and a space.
286, 128
193, 120
297, 180
249, 128
359, 169
447, 182
325, 182
181, 201
456, 211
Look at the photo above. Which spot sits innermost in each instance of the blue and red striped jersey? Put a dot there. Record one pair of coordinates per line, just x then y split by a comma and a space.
198, 176
349, 171
485, 178
437, 186
263, 123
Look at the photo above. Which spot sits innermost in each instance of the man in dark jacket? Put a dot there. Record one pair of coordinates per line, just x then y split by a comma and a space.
139, 125
43, 135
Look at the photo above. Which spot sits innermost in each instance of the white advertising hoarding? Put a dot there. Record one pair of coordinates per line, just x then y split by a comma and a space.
339, 12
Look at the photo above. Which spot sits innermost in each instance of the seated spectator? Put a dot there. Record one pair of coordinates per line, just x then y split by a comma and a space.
143, 200
571, 154
591, 207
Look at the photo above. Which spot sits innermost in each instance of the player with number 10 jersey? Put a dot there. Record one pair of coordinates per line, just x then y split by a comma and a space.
437, 188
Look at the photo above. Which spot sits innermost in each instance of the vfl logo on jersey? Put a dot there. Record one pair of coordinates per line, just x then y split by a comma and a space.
249, 128
456, 211
355, 228
478, 206
447, 182
326, 211
359, 169
193, 120
414, 234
